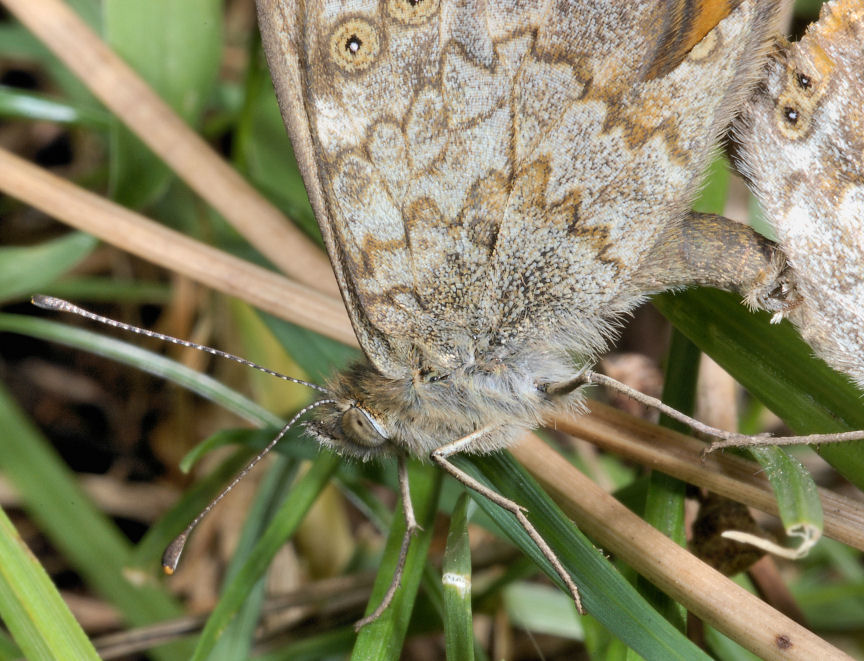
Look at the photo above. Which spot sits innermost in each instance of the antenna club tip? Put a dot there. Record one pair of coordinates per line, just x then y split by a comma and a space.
171, 556
45, 302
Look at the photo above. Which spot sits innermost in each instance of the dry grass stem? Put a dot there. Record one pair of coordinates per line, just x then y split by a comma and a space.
702, 590
160, 245
727, 475
123, 91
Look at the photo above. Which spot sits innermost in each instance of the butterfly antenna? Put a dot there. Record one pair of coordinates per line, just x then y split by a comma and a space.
58, 304
171, 556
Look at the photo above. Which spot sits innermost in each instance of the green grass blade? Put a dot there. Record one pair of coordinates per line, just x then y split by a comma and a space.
608, 596
8, 649
332, 644
456, 578
239, 635
797, 495
264, 153
15, 104
776, 366
16, 42
726, 649
88, 10
139, 358
176, 47
319, 356
664, 501
542, 609
95, 288
382, 640
284, 523
24, 271
92, 544
31, 606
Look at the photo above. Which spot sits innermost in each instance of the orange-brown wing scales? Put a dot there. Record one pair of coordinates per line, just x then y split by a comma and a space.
686, 22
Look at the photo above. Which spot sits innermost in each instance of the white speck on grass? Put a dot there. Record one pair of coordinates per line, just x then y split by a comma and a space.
461, 582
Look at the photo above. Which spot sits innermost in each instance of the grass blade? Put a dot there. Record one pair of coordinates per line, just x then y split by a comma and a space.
240, 632
382, 639
175, 46
456, 578
134, 356
608, 596
776, 366
664, 501
542, 609
284, 524
31, 606
23, 271
65, 514
16, 104
797, 499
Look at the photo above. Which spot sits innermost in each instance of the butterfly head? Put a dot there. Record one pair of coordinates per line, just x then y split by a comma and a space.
370, 415
351, 424
348, 428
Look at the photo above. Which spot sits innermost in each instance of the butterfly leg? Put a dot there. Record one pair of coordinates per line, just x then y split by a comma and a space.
710, 250
724, 439
411, 527
441, 457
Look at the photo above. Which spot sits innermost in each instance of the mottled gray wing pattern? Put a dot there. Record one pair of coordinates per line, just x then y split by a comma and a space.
489, 170
281, 26
612, 160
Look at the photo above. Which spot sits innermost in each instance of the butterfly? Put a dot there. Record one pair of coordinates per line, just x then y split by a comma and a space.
497, 184
802, 147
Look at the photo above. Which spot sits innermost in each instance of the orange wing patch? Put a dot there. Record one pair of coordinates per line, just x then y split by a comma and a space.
689, 22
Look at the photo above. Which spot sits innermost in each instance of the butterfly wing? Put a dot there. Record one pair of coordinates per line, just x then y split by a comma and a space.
604, 170
802, 146
483, 171
281, 26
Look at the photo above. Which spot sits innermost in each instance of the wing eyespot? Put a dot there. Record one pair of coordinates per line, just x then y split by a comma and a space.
354, 45
793, 120
412, 12
798, 103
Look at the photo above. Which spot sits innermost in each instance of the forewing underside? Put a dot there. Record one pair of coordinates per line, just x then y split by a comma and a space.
280, 25
498, 169
610, 170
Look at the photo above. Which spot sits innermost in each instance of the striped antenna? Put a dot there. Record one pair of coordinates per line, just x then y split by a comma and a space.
171, 557
58, 304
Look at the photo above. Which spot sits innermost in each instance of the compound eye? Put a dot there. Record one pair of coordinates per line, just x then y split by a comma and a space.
359, 428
